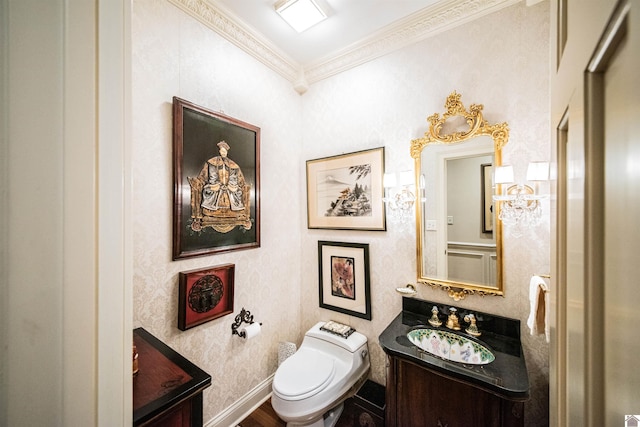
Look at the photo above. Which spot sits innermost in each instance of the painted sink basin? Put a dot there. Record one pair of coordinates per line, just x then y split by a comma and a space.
451, 346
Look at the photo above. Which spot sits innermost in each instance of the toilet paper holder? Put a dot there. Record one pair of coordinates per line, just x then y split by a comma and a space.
245, 316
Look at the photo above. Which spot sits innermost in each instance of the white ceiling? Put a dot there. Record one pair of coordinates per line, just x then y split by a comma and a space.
349, 21
356, 31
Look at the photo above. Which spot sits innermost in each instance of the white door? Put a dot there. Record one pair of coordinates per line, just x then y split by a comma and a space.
617, 85
595, 107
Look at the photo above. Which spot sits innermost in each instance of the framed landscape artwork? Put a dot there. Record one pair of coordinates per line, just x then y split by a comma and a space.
345, 192
216, 166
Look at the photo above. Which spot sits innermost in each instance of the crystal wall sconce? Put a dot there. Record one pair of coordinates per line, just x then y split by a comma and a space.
520, 203
399, 196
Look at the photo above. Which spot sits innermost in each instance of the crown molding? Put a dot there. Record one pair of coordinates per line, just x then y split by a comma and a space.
231, 28
417, 27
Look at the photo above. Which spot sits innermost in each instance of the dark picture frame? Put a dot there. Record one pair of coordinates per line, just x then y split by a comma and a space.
205, 294
486, 173
346, 192
216, 168
344, 278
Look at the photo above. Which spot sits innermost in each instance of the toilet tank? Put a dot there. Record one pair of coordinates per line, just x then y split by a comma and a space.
352, 344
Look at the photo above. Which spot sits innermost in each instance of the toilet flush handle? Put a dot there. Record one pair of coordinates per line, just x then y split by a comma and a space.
364, 353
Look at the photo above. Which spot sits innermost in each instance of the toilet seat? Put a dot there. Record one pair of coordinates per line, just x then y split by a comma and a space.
304, 374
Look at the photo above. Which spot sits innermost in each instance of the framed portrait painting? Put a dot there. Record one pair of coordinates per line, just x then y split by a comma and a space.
204, 295
344, 278
216, 167
346, 192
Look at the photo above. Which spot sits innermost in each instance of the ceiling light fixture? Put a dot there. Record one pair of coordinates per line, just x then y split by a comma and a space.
300, 14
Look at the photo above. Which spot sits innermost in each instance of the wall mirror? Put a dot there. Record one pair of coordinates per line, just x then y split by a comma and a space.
459, 239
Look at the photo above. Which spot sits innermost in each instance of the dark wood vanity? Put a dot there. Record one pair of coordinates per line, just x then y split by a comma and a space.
420, 397
425, 391
167, 390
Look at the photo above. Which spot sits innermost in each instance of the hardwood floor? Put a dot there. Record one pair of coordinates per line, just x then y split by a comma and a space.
353, 415
264, 416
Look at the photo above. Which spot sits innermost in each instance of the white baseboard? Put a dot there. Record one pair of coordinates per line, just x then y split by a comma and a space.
235, 413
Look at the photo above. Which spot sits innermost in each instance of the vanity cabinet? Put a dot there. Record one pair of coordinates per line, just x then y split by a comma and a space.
425, 390
167, 390
419, 397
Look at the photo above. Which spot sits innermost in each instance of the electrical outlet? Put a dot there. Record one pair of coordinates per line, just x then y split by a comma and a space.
430, 225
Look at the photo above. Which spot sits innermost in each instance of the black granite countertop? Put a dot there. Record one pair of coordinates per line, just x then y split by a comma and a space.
506, 376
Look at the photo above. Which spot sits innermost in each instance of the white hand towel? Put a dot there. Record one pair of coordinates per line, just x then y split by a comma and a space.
538, 321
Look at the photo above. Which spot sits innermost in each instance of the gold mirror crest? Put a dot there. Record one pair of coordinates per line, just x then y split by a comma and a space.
436, 135
477, 127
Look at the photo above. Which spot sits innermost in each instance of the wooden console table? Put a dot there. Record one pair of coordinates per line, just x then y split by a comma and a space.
167, 391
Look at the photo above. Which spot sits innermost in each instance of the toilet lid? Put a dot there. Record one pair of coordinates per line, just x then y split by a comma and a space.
305, 373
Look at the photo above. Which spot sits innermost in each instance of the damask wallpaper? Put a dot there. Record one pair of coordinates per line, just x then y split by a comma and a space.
500, 60
176, 56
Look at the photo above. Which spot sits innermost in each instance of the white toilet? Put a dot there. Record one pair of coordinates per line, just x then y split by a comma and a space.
309, 387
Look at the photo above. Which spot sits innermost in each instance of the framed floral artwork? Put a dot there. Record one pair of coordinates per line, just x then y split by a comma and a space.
344, 278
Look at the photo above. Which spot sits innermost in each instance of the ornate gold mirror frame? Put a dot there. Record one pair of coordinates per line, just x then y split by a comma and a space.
477, 127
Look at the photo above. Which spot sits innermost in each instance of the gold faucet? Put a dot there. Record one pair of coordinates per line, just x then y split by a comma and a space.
434, 321
452, 321
472, 329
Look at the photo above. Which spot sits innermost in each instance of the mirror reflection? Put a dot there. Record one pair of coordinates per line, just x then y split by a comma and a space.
459, 240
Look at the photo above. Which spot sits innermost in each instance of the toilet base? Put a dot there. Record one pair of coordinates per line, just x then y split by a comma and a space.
329, 419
